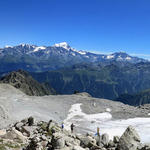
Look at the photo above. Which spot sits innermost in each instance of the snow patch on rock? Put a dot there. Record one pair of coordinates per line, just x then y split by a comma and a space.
110, 56
63, 45
39, 48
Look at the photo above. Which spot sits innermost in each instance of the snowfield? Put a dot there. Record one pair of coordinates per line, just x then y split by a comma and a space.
76, 111
106, 125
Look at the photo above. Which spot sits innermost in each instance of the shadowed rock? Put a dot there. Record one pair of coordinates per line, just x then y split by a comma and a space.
22, 80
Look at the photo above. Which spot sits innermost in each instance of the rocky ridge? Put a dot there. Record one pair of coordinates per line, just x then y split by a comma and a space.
23, 81
29, 134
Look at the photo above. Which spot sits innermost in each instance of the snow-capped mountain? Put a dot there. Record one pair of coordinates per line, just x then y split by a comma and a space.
122, 56
41, 58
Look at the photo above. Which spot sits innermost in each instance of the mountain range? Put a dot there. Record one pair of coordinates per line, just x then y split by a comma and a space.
62, 69
45, 58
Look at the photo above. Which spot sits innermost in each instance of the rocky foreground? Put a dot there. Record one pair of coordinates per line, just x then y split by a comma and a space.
31, 135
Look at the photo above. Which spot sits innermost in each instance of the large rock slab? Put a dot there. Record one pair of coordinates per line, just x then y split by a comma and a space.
130, 140
15, 135
58, 141
87, 141
2, 132
105, 139
28, 129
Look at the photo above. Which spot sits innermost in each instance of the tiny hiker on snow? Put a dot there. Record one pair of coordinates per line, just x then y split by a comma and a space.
62, 126
72, 126
97, 133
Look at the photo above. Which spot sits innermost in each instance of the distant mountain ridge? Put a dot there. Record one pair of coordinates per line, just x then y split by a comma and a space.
139, 98
45, 58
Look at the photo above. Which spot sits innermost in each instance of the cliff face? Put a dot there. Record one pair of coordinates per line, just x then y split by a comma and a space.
24, 82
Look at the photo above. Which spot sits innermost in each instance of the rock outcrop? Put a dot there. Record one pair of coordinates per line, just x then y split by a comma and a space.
130, 140
23, 81
30, 135
84, 94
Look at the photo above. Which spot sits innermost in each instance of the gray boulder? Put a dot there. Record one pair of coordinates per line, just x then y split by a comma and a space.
18, 126
111, 144
69, 141
84, 94
51, 126
24, 121
87, 141
14, 135
105, 139
116, 139
77, 148
145, 147
30, 121
32, 145
130, 140
58, 141
29, 130
98, 141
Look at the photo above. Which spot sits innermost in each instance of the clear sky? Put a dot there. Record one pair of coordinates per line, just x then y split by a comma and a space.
95, 25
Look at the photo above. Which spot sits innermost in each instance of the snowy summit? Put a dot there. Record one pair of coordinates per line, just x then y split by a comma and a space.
63, 45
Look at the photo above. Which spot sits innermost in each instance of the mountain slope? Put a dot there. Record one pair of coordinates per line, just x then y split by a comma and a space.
23, 81
135, 99
103, 81
45, 58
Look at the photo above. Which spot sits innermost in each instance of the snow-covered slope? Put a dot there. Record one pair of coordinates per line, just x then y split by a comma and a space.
90, 122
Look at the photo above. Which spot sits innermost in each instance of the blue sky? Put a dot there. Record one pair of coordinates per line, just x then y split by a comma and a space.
94, 25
